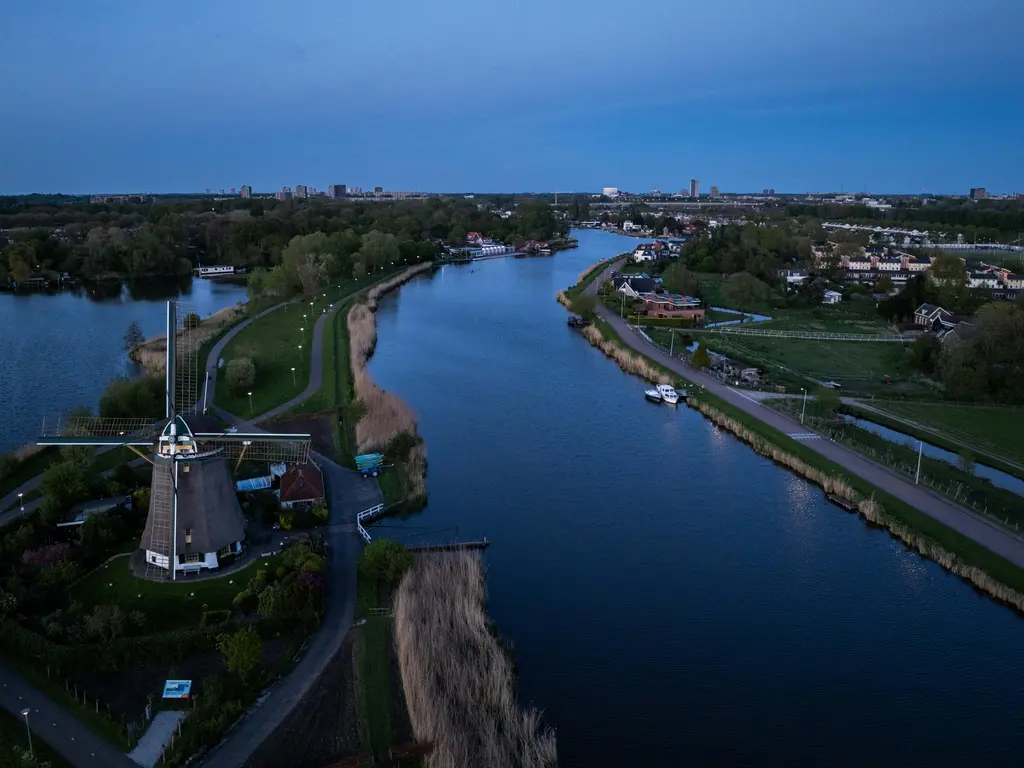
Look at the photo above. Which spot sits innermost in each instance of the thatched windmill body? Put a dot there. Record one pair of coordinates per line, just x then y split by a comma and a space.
194, 516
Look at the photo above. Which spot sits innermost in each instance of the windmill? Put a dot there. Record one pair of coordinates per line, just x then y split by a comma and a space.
194, 516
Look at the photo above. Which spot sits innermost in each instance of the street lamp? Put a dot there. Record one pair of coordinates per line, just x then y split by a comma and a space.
302, 330
301, 358
920, 450
293, 377
21, 501
803, 409
250, 403
24, 713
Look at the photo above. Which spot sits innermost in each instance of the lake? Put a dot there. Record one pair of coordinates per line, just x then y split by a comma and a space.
60, 350
674, 598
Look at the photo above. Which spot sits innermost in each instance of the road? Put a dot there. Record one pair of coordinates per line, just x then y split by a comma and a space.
58, 727
966, 522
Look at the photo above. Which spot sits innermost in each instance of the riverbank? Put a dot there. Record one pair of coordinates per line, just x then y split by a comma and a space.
386, 423
960, 554
458, 682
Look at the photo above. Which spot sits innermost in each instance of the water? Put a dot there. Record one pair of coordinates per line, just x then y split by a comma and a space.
60, 351
674, 598
997, 478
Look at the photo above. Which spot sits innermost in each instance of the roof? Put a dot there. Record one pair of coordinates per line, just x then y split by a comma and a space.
303, 482
638, 284
207, 507
254, 484
926, 309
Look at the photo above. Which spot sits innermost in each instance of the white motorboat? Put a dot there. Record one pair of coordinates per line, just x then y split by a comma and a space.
668, 394
653, 395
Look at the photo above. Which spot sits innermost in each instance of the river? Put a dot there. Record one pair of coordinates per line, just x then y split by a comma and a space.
674, 598
60, 350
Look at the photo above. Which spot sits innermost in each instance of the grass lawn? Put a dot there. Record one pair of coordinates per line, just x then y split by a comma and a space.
846, 317
377, 729
167, 605
12, 734
992, 430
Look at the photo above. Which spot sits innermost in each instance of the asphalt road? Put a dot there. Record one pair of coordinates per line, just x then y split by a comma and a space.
58, 727
966, 522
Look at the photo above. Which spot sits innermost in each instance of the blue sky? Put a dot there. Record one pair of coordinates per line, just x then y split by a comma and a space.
451, 95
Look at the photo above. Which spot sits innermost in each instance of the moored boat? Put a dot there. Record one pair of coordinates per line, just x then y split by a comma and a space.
653, 395
668, 394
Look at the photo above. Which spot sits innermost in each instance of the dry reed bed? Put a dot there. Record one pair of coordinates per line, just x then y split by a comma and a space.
459, 685
386, 415
628, 361
152, 353
871, 510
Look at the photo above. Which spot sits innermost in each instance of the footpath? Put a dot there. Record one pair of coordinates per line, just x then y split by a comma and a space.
968, 523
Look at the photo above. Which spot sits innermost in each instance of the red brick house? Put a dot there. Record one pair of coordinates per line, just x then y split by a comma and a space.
672, 305
302, 484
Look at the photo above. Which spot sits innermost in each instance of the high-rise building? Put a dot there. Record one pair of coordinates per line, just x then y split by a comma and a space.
246, 192
378, 191
978, 193
714, 191
610, 191
337, 191
285, 193
300, 191
694, 188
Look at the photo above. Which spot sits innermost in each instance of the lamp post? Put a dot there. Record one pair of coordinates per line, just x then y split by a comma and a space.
302, 330
293, 377
803, 409
250, 403
24, 713
301, 358
21, 501
920, 450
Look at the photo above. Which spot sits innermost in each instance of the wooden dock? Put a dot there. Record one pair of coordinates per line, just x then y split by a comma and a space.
452, 546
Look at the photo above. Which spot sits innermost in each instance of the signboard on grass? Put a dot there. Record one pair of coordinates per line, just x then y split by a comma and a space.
177, 689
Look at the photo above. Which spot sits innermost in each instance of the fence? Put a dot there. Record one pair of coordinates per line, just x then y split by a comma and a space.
369, 515
809, 335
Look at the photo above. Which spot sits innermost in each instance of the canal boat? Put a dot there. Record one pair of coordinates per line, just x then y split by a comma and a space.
653, 395
668, 394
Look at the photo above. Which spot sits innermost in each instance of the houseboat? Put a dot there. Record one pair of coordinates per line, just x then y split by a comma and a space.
218, 271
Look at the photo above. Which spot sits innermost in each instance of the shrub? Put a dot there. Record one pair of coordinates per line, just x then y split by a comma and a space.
241, 375
241, 651
244, 601
385, 560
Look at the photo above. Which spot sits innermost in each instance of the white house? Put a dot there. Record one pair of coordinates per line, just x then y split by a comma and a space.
831, 297
629, 226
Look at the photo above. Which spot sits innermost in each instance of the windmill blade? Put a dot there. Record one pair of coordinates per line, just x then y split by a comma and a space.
291, 449
96, 428
97, 441
186, 359
156, 537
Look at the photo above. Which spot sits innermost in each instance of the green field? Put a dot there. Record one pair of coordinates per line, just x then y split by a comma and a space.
999, 431
859, 366
167, 605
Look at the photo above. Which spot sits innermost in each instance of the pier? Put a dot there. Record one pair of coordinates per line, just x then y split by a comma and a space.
451, 546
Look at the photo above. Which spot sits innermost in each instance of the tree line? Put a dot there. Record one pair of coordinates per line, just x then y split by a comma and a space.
136, 240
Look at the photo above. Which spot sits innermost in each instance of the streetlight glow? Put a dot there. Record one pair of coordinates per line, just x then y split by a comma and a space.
25, 713
250, 403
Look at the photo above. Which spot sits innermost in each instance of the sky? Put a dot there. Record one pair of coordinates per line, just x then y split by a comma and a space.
882, 96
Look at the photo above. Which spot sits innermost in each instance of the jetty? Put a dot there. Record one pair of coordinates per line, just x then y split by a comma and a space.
452, 546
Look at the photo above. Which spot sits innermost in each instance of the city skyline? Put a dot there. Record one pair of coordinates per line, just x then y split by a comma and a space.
898, 97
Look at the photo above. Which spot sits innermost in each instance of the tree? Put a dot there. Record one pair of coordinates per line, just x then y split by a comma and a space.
744, 291
379, 250
701, 358
106, 622
925, 353
949, 276
963, 371
242, 652
65, 483
307, 261
457, 235
584, 305
827, 399
678, 279
133, 398
385, 561
133, 337
241, 375
358, 270
884, 284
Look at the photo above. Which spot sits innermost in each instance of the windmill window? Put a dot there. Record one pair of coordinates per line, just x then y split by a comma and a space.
188, 536
192, 557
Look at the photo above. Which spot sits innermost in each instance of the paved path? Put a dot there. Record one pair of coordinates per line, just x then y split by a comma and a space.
56, 726
157, 736
349, 493
974, 526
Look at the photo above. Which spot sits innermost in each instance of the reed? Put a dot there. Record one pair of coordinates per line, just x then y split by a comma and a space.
627, 360
458, 683
386, 415
869, 508
152, 353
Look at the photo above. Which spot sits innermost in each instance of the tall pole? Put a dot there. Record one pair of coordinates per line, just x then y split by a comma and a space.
671, 343
174, 514
25, 713
622, 306
206, 390
803, 409
920, 450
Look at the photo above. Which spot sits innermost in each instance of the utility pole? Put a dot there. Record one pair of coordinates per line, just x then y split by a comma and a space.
672, 342
803, 409
622, 306
920, 450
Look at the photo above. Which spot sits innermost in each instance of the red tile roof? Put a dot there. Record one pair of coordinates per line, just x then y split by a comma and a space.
302, 483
